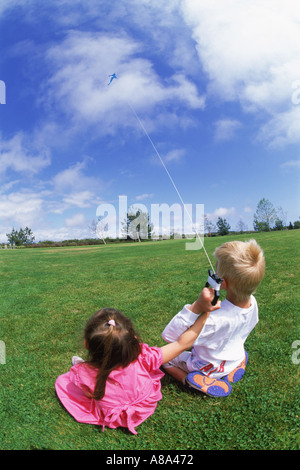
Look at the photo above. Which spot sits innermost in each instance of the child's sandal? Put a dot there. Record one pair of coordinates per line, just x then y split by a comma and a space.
212, 387
238, 372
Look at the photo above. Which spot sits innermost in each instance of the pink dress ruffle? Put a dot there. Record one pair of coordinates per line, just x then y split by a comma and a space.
131, 393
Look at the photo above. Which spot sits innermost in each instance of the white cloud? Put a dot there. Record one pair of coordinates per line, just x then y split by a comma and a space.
291, 164
81, 66
77, 220
79, 199
141, 197
22, 155
225, 129
283, 128
61, 233
174, 155
21, 208
6, 5
250, 52
73, 178
5, 187
223, 211
74, 188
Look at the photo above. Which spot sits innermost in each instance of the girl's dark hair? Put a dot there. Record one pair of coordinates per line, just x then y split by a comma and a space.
109, 345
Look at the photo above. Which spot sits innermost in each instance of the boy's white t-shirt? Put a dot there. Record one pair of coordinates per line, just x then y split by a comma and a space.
219, 347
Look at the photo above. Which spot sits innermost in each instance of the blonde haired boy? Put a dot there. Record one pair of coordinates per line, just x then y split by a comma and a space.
218, 356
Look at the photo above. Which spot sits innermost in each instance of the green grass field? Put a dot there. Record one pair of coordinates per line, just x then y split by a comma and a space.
48, 294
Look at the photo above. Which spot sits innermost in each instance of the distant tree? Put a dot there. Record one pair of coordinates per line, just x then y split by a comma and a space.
209, 226
223, 226
21, 237
241, 226
290, 227
297, 224
278, 224
98, 229
282, 215
93, 227
264, 216
137, 225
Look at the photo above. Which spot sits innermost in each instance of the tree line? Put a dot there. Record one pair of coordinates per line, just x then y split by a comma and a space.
265, 219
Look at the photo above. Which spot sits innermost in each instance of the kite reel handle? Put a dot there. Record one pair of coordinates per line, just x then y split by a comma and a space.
215, 282
216, 297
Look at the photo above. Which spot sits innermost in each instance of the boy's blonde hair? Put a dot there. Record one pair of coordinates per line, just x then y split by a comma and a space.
242, 265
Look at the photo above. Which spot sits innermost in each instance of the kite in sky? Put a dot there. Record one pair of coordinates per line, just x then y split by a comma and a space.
112, 77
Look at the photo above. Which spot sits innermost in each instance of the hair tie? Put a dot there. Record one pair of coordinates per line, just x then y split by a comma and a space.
112, 322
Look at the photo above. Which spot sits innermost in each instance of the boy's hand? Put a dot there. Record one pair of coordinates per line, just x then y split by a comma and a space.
203, 303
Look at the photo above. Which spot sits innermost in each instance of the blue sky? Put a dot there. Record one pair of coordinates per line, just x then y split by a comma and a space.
215, 83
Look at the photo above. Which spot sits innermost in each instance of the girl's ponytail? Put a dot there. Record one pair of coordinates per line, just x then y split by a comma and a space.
112, 342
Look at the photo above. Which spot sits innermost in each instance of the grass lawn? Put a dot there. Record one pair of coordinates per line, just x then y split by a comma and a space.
48, 294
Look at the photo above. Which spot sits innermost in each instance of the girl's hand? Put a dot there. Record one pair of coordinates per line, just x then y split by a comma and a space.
186, 340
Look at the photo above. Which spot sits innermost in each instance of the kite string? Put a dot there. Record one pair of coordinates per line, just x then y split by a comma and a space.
171, 179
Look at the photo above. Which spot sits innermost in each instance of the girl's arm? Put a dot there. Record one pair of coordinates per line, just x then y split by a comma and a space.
187, 339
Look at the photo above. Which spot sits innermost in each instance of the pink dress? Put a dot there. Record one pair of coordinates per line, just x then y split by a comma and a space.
131, 393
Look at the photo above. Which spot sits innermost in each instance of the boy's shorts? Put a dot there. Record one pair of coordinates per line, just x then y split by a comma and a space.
179, 361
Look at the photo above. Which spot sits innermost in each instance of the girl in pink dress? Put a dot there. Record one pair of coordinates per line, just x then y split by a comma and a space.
120, 383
